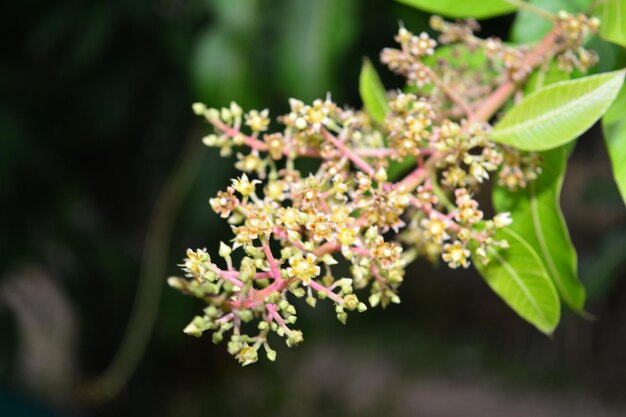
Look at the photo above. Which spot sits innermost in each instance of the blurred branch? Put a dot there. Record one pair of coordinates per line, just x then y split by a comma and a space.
151, 279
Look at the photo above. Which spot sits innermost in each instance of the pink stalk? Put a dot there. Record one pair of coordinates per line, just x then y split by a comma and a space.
227, 276
320, 288
272, 261
226, 318
283, 235
356, 159
271, 308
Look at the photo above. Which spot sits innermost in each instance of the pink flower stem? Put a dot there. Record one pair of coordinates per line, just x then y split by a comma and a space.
270, 258
356, 159
320, 288
228, 276
283, 235
225, 319
271, 308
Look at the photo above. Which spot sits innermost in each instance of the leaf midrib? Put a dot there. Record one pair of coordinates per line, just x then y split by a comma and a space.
519, 282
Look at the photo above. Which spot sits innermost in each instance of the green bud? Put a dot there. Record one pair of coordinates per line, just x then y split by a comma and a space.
362, 307
217, 337
292, 319
264, 282
263, 325
211, 311
329, 260
298, 292
209, 276
226, 115
198, 108
235, 109
247, 355
246, 315
254, 251
328, 280
312, 301
271, 354
351, 302
247, 269
177, 283
283, 305
196, 327
211, 288
233, 347
235, 218
294, 338
342, 317
212, 114
225, 250
374, 299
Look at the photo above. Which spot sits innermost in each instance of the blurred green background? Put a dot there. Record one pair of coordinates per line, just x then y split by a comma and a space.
104, 183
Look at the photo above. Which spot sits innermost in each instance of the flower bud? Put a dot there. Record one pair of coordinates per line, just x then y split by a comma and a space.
198, 108
381, 175
225, 250
210, 140
271, 354
247, 355
176, 283
294, 338
351, 302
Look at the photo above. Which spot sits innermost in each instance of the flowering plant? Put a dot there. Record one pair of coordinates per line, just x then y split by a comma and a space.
398, 180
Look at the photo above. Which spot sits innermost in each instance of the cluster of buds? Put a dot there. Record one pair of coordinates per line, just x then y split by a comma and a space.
291, 228
574, 30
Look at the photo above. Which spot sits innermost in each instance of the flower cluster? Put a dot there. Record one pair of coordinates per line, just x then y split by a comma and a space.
574, 30
291, 228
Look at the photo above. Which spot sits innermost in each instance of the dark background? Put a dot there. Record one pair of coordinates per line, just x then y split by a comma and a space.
104, 183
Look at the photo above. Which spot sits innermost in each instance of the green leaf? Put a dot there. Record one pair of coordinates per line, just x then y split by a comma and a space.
478, 9
373, 93
612, 14
554, 115
536, 212
397, 168
614, 126
537, 217
519, 277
